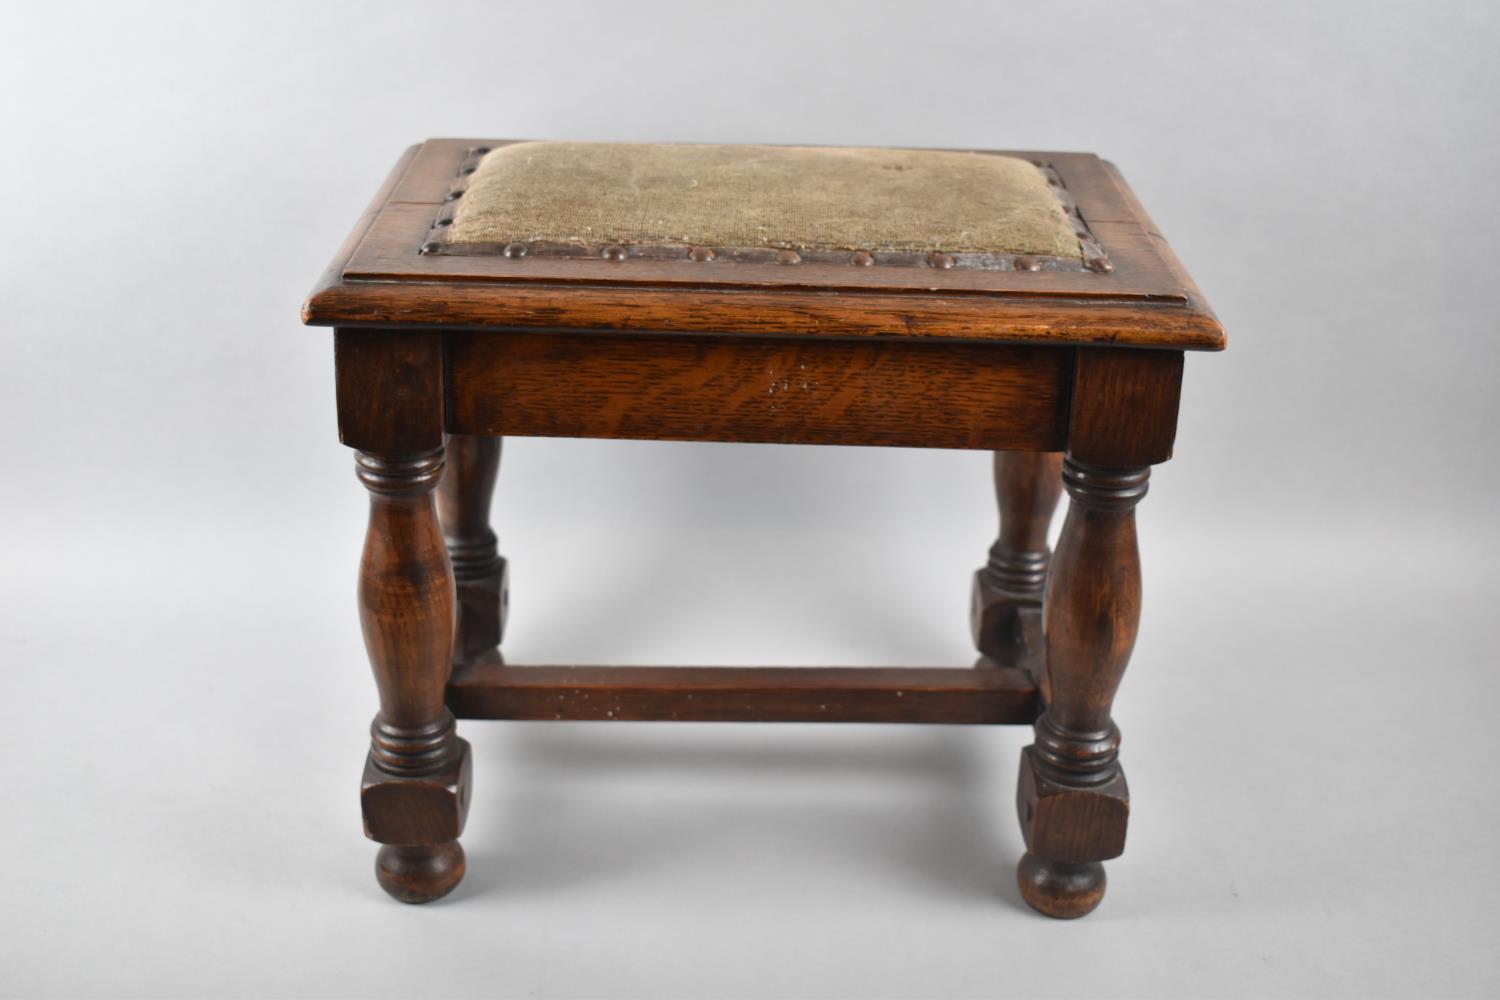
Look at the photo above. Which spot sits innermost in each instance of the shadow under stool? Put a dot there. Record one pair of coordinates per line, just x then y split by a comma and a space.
1021, 303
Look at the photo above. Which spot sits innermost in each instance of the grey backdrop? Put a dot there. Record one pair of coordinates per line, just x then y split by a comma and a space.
1308, 716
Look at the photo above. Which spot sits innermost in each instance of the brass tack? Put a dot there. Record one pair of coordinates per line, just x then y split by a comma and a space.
789, 257
1101, 265
453, 195
513, 250
481, 150
1027, 264
613, 253
702, 254
861, 258
469, 169
445, 221
941, 261
432, 246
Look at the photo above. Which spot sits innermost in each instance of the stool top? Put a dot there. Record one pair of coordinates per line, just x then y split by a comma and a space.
764, 239
735, 199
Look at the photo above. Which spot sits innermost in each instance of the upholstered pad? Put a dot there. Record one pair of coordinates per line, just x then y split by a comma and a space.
801, 198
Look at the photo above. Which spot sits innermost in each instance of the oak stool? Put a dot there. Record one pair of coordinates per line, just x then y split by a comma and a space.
1022, 303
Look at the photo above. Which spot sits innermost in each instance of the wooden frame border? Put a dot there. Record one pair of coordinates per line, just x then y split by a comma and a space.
781, 390
392, 251
1090, 256
381, 278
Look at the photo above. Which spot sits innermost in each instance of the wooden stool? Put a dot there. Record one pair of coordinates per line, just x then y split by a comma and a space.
1017, 302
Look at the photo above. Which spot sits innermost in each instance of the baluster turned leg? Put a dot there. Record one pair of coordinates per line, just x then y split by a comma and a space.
1072, 798
415, 793
1027, 486
479, 570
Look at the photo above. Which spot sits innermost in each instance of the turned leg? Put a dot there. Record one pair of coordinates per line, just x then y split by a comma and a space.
1072, 798
1009, 587
464, 495
415, 792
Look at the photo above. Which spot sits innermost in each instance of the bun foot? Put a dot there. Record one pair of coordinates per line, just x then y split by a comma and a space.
1059, 889
419, 874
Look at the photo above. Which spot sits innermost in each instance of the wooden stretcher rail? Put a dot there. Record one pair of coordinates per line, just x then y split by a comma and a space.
964, 696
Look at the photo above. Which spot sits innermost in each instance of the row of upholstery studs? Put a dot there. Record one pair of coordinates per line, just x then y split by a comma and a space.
859, 258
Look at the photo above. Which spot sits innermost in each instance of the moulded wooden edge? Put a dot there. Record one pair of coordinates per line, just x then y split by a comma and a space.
951, 314
439, 175
333, 274
389, 253
1196, 299
1060, 322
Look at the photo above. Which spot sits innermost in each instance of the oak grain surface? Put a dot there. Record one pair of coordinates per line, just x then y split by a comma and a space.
489, 689
382, 278
768, 390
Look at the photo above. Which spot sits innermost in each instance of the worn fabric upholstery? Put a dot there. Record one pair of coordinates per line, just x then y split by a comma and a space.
801, 198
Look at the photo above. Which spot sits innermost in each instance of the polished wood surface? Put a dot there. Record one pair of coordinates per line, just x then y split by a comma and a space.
389, 386
1124, 410
479, 571
419, 874
1072, 798
383, 278
1010, 584
415, 790
436, 350
776, 313
770, 390
490, 689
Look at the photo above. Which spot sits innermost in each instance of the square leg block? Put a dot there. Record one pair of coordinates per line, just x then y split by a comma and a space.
417, 811
1071, 824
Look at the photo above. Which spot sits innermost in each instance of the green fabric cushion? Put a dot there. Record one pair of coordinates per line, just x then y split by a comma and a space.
800, 198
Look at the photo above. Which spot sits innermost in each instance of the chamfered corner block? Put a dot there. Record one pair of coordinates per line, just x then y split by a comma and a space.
420, 810
1068, 823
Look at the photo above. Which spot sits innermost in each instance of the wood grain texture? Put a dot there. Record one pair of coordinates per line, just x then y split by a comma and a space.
415, 789
389, 389
490, 689
1027, 488
783, 391
1131, 204
333, 274
713, 348
385, 280
479, 571
386, 255
1072, 799
436, 185
1061, 322
419, 874
1059, 889
1124, 407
